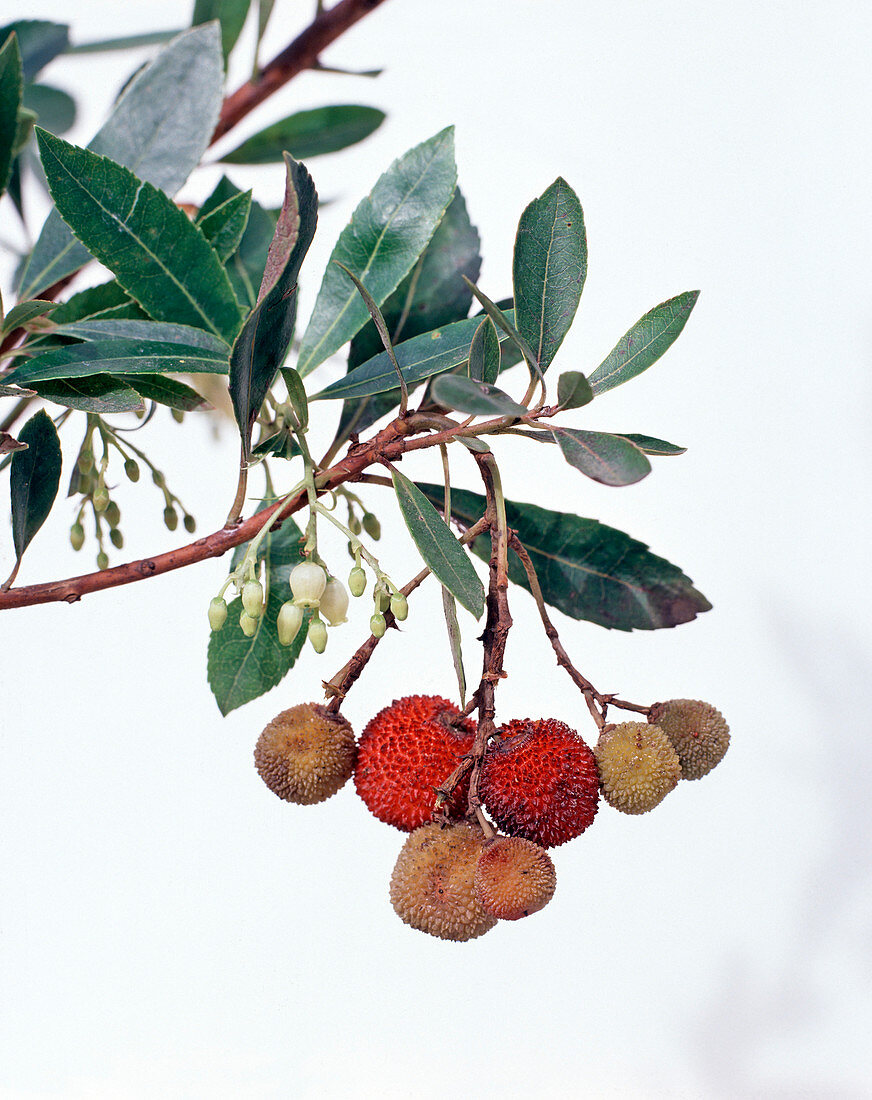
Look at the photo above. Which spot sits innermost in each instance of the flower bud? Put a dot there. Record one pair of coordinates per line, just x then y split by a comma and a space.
131, 468
354, 525
334, 602
101, 498
289, 622
116, 538
102, 560
357, 581
77, 536
400, 606
248, 624
371, 525
113, 514
158, 478
308, 582
381, 599
377, 624
190, 524
318, 635
252, 598
171, 518
85, 461
217, 613
178, 415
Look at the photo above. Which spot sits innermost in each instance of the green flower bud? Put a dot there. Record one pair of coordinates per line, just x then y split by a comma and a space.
178, 415
85, 461
308, 582
217, 613
190, 524
318, 635
371, 525
354, 524
113, 514
377, 624
116, 538
102, 560
101, 498
382, 600
158, 478
171, 518
400, 607
131, 468
248, 624
252, 598
77, 536
357, 581
289, 622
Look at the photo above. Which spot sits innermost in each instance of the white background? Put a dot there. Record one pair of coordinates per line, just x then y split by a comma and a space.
169, 929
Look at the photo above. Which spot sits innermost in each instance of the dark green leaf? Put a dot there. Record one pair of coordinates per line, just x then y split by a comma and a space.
652, 446
644, 343
101, 328
230, 13
308, 134
573, 390
297, 396
38, 41
549, 269
159, 129
608, 459
166, 391
442, 553
239, 668
282, 445
484, 353
222, 191
586, 569
105, 301
224, 226
33, 479
10, 101
266, 335
387, 233
127, 42
24, 313
98, 393
119, 357
245, 266
419, 358
155, 252
478, 398
449, 607
54, 109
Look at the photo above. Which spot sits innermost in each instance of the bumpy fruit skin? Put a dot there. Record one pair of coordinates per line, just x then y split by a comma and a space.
513, 878
698, 732
406, 751
305, 754
432, 885
638, 766
540, 781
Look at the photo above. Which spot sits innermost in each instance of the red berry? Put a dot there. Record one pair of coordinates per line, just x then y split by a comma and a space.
540, 781
405, 752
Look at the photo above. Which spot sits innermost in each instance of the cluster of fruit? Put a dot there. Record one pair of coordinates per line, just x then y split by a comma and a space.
539, 781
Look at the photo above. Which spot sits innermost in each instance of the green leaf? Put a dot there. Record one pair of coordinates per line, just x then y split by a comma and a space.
419, 358
107, 300
245, 266
449, 608
608, 459
33, 479
166, 391
484, 353
387, 233
239, 668
308, 134
573, 390
297, 396
10, 100
126, 42
230, 13
155, 252
644, 343
54, 109
496, 314
281, 445
263, 343
159, 129
224, 226
119, 357
652, 446
549, 269
586, 569
101, 328
24, 313
98, 393
442, 553
39, 42
478, 398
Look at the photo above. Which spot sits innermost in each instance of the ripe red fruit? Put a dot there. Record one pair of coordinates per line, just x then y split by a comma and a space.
405, 752
540, 781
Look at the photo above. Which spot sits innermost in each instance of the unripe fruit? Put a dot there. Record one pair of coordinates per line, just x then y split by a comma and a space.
248, 624
357, 581
171, 518
638, 766
131, 468
289, 622
308, 582
77, 536
406, 751
334, 602
540, 781
305, 754
377, 624
371, 525
101, 499
102, 560
252, 598
318, 635
432, 882
697, 731
116, 538
400, 607
513, 878
217, 613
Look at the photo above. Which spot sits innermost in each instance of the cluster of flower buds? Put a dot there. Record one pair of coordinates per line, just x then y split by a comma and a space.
386, 596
